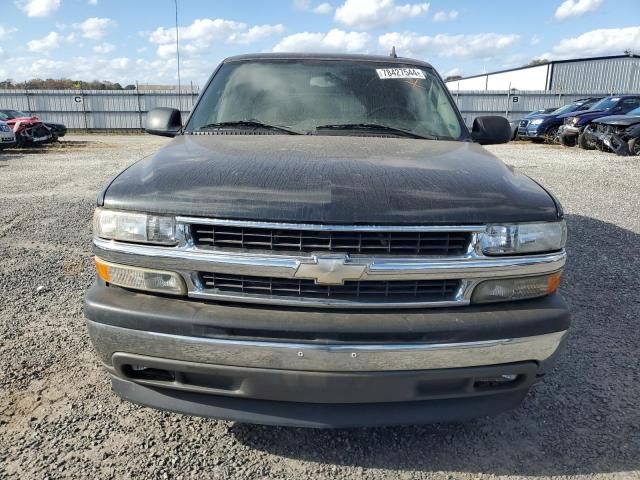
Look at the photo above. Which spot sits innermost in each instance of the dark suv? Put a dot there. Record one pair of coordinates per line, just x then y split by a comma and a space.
324, 243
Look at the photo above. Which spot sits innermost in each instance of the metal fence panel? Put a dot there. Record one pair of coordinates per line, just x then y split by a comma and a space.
513, 104
96, 109
127, 109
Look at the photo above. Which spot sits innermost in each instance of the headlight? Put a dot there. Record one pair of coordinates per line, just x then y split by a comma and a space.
506, 289
523, 238
134, 227
140, 278
537, 121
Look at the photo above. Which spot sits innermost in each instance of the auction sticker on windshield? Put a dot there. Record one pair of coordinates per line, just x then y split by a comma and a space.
385, 73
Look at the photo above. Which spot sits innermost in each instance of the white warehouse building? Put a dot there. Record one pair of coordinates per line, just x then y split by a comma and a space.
611, 75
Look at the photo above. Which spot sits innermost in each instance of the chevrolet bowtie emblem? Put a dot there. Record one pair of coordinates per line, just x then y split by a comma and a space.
330, 270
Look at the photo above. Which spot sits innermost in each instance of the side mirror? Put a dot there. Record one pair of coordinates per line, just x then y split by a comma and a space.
164, 121
491, 130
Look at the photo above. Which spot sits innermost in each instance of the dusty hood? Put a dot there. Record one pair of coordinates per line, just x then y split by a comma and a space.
620, 120
329, 179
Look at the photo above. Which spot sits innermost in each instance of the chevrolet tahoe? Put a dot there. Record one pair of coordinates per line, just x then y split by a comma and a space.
324, 243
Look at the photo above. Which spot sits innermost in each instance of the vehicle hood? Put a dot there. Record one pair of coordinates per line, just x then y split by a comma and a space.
585, 114
23, 120
622, 120
329, 179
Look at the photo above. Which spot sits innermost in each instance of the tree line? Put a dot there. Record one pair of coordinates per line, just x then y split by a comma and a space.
63, 84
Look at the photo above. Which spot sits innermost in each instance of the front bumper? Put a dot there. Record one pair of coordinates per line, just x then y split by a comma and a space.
7, 139
569, 131
311, 368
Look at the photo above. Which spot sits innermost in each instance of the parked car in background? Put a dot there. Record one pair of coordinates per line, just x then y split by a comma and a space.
325, 243
616, 133
58, 130
545, 126
575, 123
516, 124
7, 137
28, 130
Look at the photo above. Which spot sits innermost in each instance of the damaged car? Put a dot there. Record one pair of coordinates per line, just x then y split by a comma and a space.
574, 124
619, 134
28, 131
58, 130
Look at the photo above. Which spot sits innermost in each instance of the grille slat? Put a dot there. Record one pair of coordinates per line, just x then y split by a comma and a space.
396, 290
353, 242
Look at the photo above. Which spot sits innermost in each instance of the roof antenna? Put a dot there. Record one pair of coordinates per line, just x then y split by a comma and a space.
393, 52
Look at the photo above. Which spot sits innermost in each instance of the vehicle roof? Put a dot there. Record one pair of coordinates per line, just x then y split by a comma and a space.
327, 56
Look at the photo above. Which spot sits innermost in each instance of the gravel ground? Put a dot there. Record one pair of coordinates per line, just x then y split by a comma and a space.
59, 419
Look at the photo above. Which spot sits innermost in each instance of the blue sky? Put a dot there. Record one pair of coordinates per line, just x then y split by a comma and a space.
128, 40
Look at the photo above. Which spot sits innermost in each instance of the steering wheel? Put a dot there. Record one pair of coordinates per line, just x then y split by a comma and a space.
408, 113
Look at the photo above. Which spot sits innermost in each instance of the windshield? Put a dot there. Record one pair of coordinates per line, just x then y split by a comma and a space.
302, 95
605, 103
14, 113
3, 116
566, 109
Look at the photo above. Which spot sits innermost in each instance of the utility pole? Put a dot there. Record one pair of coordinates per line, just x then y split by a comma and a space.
175, 2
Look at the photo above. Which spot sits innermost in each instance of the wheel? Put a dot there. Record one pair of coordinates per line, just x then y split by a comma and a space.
568, 140
552, 136
585, 142
634, 146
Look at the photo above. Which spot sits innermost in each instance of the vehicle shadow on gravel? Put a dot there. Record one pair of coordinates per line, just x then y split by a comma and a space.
584, 418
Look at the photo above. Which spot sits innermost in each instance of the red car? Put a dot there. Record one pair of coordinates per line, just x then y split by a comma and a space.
28, 130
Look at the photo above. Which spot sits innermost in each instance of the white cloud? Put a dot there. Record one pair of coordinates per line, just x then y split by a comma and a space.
202, 31
123, 70
38, 8
255, 33
483, 45
442, 16
92, 2
335, 40
104, 48
452, 73
575, 8
364, 14
302, 4
323, 9
535, 40
94, 28
307, 6
5, 32
49, 42
605, 41
199, 36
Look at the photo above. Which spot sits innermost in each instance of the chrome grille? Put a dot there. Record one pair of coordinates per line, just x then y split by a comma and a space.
396, 290
317, 241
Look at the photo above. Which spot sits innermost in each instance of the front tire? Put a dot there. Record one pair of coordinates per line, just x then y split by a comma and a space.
552, 136
634, 146
568, 140
585, 142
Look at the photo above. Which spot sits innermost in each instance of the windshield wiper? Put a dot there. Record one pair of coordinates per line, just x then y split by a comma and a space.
376, 127
249, 123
